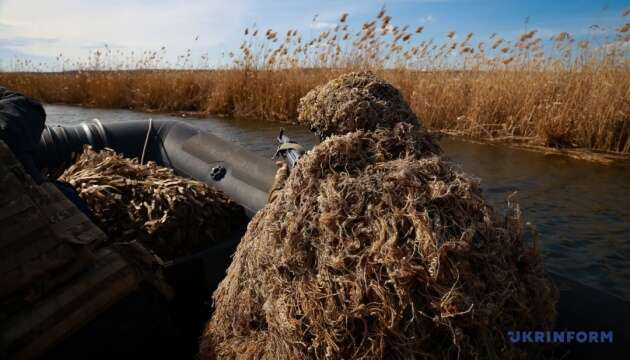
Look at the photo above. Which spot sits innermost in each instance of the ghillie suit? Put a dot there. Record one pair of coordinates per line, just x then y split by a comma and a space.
354, 101
377, 247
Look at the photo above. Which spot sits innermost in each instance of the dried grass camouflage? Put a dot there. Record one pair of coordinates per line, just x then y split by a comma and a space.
171, 215
354, 101
377, 247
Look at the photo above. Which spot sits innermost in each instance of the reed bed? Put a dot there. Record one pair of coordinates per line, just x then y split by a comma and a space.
558, 93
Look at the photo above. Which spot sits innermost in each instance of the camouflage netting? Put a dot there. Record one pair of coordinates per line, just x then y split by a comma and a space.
376, 247
171, 215
354, 101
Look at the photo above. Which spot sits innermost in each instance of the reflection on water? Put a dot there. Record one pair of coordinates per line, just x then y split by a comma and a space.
581, 210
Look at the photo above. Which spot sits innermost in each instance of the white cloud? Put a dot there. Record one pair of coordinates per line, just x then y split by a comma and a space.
47, 28
427, 19
322, 25
8, 23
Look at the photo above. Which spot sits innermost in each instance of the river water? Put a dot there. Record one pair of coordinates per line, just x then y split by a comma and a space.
581, 210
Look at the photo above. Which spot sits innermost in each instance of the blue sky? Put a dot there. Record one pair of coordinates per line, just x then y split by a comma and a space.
41, 29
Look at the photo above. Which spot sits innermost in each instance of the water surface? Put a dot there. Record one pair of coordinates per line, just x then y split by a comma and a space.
580, 209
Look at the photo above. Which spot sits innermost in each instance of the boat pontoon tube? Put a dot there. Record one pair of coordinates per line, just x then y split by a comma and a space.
243, 176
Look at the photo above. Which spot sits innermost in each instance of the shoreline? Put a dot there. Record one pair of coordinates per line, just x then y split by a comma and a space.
596, 156
585, 154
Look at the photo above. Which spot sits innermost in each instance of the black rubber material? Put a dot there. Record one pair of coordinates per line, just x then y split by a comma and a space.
59, 145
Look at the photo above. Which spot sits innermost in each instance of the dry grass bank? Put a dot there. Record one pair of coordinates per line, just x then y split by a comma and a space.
559, 93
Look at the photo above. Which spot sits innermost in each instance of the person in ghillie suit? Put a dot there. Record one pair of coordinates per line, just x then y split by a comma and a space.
378, 247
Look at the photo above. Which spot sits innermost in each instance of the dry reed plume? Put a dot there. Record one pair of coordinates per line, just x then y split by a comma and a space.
560, 93
170, 215
376, 247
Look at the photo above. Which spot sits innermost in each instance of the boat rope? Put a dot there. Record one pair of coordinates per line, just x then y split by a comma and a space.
146, 141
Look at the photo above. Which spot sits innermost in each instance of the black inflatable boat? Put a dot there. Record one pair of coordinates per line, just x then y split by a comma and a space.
246, 178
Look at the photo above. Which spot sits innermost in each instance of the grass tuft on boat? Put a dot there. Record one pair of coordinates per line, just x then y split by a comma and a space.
171, 215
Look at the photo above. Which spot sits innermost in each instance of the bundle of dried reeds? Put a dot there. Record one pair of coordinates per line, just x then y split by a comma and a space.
171, 215
376, 247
